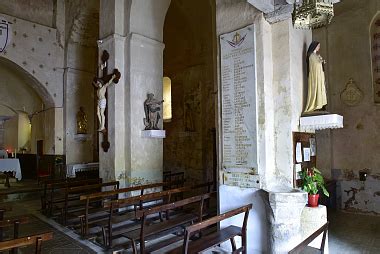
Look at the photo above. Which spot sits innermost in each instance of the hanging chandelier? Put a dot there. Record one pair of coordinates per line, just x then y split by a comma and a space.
311, 14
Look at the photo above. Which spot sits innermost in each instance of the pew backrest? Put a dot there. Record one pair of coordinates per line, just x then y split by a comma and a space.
25, 241
309, 239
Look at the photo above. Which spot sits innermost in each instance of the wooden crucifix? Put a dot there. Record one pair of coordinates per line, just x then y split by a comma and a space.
101, 84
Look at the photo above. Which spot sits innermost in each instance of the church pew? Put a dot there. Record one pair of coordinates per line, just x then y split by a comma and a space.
72, 197
213, 239
12, 221
25, 241
300, 248
171, 224
5, 176
53, 187
3, 208
110, 195
154, 199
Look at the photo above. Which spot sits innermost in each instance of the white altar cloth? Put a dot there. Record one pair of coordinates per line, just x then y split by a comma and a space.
72, 168
11, 165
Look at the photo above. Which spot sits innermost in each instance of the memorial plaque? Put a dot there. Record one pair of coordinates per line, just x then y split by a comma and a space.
243, 180
239, 117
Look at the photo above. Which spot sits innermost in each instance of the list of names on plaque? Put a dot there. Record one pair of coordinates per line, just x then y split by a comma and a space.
239, 99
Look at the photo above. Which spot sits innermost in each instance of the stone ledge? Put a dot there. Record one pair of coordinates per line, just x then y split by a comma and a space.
82, 137
153, 134
321, 122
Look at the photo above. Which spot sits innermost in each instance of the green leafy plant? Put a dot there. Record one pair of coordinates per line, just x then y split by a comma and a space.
312, 181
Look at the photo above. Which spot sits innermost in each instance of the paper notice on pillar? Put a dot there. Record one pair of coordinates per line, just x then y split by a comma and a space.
238, 88
313, 147
297, 169
298, 153
306, 153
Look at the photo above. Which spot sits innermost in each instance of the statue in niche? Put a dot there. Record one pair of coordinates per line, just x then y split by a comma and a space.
81, 121
101, 87
316, 96
152, 112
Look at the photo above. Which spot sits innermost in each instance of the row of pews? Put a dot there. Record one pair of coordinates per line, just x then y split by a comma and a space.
142, 218
12, 243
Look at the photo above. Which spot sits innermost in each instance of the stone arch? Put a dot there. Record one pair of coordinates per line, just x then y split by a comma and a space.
35, 84
147, 18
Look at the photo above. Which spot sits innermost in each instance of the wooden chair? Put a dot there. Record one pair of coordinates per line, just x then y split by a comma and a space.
216, 238
304, 244
25, 241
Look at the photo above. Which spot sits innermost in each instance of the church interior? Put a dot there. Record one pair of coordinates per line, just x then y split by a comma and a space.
189, 126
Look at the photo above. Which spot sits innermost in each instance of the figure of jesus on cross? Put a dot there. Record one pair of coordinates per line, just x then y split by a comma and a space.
102, 101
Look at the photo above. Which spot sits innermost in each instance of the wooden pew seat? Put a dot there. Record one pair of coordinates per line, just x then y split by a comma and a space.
213, 239
172, 224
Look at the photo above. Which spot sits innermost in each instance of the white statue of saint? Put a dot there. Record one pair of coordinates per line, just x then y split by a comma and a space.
316, 97
102, 101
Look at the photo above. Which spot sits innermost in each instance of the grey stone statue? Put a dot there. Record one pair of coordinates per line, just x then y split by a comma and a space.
152, 112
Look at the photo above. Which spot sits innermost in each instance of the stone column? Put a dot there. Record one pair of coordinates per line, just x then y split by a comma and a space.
284, 210
312, 218
131, 32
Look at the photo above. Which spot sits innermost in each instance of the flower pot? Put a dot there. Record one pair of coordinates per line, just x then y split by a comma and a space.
313, 200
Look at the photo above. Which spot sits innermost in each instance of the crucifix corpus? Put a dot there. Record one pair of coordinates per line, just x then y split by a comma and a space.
101, 84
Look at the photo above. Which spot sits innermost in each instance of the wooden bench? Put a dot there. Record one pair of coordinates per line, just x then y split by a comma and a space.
5, 176
72, 202
12, 221
112, 230
98, 214
304, 244
213, 239
25, 241
53, 187
141, 202
171, 224
3, 209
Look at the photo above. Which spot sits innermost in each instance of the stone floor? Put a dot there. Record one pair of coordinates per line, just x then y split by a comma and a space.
348, 233
353, 233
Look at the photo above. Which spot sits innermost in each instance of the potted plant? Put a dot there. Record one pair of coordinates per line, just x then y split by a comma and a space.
312, 183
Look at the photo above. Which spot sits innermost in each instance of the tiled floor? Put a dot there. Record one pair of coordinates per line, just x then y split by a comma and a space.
61, 243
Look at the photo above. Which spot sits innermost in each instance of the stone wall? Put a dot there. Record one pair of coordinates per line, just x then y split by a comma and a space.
37, 11
82, 32
189, 133
54, 43
346, 46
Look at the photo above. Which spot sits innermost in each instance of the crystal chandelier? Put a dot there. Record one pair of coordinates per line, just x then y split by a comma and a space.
312, 14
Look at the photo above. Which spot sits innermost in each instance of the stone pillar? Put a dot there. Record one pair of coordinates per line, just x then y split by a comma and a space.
284, 210
146, 65
312, 219
131, 32
290, 87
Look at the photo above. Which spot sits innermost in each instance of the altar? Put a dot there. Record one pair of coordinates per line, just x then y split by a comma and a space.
72, 169
11, 165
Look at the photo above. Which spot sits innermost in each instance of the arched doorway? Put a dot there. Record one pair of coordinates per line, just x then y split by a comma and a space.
189, 38
33, 111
